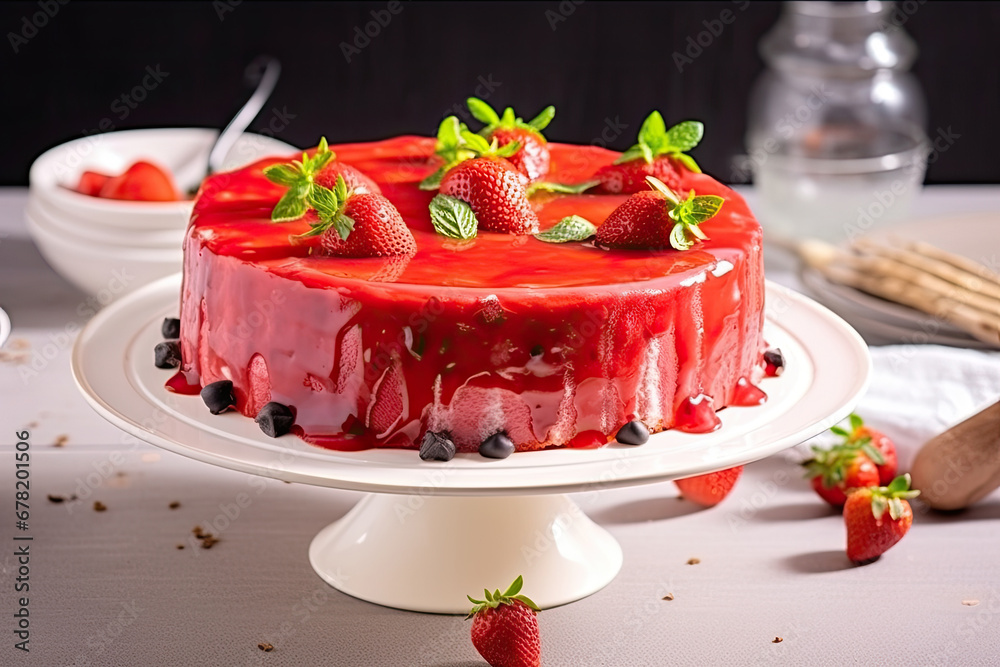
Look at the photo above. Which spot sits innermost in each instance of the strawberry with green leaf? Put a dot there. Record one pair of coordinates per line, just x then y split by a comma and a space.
302, 177
356, 224
658, 218
505, 628
834, 471
532, 157
659, 152
457, 144
869, 439
486, 189
877, 517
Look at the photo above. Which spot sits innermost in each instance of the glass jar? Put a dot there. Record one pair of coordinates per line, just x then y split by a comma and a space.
836, 139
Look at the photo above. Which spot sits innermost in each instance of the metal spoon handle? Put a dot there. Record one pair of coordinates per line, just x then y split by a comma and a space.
264, 71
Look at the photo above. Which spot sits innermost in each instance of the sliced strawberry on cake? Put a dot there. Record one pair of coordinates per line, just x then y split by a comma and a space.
659, 152
657, 219
532, 156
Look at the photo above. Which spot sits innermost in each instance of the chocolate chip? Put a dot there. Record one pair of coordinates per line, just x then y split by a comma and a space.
167, 354
774, 361
264, 646
218, 396
174, 505
497, 446
633, 433
275, 419
171, 328
99, 506
437, 447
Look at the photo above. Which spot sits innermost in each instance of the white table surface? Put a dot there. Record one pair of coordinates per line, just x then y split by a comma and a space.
111, 588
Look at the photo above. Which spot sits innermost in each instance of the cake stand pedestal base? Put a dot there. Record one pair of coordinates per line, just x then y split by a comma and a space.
426, 553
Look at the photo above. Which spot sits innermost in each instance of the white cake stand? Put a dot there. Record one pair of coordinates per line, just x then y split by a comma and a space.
473, 522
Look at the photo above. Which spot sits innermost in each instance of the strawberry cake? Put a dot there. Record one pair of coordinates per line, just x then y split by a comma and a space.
481, 291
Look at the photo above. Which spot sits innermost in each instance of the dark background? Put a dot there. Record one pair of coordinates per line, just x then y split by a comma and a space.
606, 60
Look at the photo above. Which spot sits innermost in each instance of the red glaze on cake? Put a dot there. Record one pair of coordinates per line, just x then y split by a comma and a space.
556, 344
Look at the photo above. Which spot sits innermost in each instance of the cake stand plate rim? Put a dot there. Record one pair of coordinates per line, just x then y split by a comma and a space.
112, 367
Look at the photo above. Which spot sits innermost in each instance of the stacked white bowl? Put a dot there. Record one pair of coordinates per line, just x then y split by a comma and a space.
109, 247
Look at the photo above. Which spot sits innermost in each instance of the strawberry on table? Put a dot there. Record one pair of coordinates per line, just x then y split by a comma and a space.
865, 437
832, 472
658, 218
877, 517
532, 156
143, 181
659, 152
709, 490
505, 628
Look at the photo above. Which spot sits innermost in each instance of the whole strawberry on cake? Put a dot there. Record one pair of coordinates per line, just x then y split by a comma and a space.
482, 291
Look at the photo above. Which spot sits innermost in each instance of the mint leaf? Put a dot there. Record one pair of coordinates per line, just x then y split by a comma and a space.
448, 132
647, 153
633, 153
653, 131
542, 120
687, 161
856, 422
342, 190
290, 207
475, 142
679, 239
282, 174
571, 228
453, 217
344, 225
543, 186
697, 209
682, 137
325, 201
509, 149
433, 182
482, 111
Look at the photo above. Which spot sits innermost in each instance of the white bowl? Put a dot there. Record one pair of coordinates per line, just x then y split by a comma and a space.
184, 151
103, 271
49, 218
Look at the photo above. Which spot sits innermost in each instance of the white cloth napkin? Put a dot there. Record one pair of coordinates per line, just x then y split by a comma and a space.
918, 391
